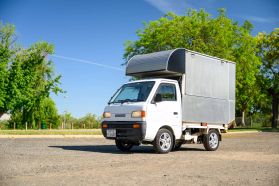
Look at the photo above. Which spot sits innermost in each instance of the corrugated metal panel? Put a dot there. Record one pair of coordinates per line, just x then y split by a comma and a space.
231, 81
209, 89
206, 77
201, 109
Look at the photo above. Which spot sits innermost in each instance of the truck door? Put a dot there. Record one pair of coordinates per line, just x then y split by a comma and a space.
166, 111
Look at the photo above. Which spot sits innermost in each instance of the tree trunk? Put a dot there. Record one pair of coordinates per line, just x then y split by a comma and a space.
243, 118
275, 104
1, 113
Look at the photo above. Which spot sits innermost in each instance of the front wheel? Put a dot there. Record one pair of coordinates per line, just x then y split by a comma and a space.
211, 140
163, 142
123, 146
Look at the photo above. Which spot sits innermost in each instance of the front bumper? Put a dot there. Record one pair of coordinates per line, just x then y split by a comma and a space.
125, 130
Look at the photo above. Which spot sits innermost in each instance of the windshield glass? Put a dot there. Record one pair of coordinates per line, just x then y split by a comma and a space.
133, 92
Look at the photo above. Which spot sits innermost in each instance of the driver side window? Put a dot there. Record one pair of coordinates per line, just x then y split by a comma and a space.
167, 91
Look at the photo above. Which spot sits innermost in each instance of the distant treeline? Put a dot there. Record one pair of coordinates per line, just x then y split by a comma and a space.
65, 121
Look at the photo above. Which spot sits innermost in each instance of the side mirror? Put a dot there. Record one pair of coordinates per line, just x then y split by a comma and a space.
158, 98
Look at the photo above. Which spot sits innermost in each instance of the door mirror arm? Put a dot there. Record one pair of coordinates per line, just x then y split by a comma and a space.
158, 98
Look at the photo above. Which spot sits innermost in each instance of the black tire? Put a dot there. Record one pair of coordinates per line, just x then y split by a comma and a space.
177, 146
211, 140
163, 142
123, 146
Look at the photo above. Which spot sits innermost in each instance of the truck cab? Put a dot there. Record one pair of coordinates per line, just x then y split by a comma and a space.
182, 97
139, 109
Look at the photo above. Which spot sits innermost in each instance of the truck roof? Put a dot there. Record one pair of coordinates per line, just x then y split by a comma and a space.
163, 63
153, 79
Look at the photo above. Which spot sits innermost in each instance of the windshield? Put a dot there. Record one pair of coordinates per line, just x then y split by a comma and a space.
133, 92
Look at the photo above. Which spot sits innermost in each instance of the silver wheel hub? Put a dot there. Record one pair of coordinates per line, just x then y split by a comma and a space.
213, 140
165, 141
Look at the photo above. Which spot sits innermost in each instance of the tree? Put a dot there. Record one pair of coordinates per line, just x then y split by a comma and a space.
26, 76
46, 112
90, 121
68, 120
268, 45
198, 31
7, 49
31, 80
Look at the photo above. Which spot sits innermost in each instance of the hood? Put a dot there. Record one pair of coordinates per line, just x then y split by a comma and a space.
122, 112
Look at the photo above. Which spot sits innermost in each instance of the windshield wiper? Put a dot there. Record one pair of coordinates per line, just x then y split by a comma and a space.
126, 101
122, 101
114, 102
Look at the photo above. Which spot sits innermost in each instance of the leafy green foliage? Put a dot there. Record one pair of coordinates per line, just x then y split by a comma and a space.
269, 52
198, 31
4, 125
46, 112
88, 121
67, 120
6, 52
26, 79
268, 45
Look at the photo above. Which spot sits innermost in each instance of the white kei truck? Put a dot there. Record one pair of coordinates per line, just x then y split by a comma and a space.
182, 97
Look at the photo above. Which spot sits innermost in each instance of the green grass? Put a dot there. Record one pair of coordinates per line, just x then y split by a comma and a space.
243, 129
262, 129
268, 129
52, 132
98, 131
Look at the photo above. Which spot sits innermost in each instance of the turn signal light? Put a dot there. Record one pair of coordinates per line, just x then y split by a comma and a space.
105, 126
136, 126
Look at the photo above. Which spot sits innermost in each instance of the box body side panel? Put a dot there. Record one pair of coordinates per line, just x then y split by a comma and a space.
209, 94
200, 109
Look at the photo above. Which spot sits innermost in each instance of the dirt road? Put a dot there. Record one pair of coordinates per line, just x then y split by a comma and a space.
242, 159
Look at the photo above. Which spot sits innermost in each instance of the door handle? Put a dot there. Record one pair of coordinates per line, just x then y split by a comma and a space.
175, 113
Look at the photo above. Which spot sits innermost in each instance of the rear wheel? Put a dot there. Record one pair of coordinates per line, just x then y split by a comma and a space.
163, 142
123, 146
211, 140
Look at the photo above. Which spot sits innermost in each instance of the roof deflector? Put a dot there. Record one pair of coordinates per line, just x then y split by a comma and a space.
170, 62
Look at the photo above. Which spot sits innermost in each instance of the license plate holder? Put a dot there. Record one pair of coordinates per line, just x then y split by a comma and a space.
111, 133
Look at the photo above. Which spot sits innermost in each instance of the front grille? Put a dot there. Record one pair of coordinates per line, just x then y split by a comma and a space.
120, 115
122, 133
120, 126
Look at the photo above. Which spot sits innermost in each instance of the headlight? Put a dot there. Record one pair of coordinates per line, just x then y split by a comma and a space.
106, 114
138, 114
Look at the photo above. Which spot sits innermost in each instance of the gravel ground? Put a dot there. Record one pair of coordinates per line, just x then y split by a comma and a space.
242, 159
